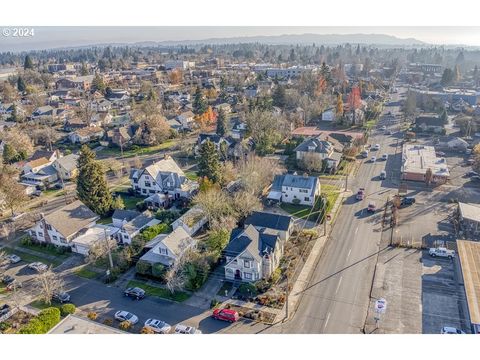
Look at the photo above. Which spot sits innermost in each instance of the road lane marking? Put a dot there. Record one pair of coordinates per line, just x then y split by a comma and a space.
356, 230
349, 252
338, 286
326, 321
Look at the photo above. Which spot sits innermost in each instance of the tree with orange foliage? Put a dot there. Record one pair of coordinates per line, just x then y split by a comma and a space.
354, 99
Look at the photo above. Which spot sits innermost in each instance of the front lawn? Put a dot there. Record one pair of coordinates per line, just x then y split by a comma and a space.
45, 250
331, 192
131, 201
191, 175
86, 273
150, 290
40, 305
227, 286
144, 150
300, 211
29, 258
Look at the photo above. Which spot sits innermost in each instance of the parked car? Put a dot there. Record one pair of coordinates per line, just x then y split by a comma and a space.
441, 252
373, 159
158, 326
372, 207
384, 157
225, 315
5, 309
38, 266
185, 329
135, 293
7, 279
364, 154
383, 128
360, 194
451, 330
383, 175
407, 200
470, 161
14, 258
123, 315
375, 147
61, 297
388, 132
471, 173
440, 153
14, 285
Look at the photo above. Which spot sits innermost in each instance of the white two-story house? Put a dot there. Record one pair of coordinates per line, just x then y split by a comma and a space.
295, 189
164, 176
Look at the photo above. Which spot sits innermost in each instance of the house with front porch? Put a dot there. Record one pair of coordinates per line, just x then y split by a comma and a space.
295, 189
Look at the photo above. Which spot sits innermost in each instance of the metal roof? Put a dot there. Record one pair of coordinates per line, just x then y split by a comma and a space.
469, 254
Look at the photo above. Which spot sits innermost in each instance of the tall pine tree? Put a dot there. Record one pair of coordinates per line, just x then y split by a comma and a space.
279, 97
199, 102
92, 187
222, 123
209, 164
21, 84
28, 64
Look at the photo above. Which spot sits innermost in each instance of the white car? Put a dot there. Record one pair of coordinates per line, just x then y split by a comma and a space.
385, 157
375, 147
373, 159
123, 315
38, 266
14, 258
158, 326
185, 329
451, 330
441, 252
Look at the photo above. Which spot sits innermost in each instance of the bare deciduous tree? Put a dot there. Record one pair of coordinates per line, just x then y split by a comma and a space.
312, 162
216, 204
256, 173
100, 249
47, 283
244, 203
175, 277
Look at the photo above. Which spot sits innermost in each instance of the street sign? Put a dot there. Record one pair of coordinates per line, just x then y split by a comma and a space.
381, 306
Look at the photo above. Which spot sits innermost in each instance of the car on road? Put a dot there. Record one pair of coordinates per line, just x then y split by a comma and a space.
451, 330
185, 329
372, 207
440, 153
471, 173
375, 147
470, 161
364, 154
158, 326
135, 293
373, 159
225, 315
7, 279
360, 194
38, 266
388, 132
383, 128
441, 252
384, 157
13, 259
5, 309
61, 297
407, 200
383, 175
123, 315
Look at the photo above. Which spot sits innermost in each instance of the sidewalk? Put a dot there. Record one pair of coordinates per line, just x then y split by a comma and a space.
204, 296
304, 277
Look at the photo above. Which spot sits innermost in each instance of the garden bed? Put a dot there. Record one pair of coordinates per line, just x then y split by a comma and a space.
253, 314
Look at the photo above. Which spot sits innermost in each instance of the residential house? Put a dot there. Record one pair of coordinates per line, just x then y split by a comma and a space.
186, 119
62, 226
121, 136
252, 91
95, 235
164, 176
469, 218
191, 221
429, 123
223, 106
166, 248
43, 112
282, 225
295, 189
73, 124
252, 254
66, 166
81, 83
158, 201
328, 114
101, 119
86, 134
320, 151
130, 223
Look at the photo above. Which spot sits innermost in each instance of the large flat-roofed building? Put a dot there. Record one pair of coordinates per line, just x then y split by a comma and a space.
417, 159
469, 255
73, 324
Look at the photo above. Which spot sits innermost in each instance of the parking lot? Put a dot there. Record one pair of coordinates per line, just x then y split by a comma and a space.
441, 296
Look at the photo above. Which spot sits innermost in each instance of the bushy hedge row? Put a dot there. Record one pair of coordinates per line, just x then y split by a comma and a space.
43, 322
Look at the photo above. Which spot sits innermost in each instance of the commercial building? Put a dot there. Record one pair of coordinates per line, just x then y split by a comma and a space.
418, 160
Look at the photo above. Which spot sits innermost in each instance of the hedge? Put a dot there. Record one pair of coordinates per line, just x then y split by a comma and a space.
43, 322
67, 309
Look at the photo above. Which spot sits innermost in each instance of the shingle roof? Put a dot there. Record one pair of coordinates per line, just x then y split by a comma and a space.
269, 220
68, 162
127, 215
250, 239
319, 146
71, 218
300, 181
175, 240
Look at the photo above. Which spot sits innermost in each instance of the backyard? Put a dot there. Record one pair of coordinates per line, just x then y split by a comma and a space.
136, 150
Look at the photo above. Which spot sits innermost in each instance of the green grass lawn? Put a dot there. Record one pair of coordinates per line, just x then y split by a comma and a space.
300, 211
191, 175
41, 305
86, 273
131, 201
105, 221
33, 258
227, 286
46, 251
147, 150
178, 296
332, 193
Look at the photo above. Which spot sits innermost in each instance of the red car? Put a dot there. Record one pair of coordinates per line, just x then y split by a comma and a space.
225, 315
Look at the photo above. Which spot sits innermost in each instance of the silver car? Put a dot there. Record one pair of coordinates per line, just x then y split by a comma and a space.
158, 326
123, 315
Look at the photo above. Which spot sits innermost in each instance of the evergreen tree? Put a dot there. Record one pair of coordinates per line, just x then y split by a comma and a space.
14, 116
444, 117
199, 102
21, 84
9, 154
28, 64
118, 203
447, 77
98, 84
92, 188
84, 70
209, 163
279, 98
222, 126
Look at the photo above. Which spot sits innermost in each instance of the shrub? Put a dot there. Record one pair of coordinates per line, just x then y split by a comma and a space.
125, 325
5, 326
143, 268
214, 303
34, 326
49, 317
146, 330
152, 231
158, 270
67, 309
26, 240
92, 315
108, 322
275, 276
247, 290
296, 201
167, 216
141, 206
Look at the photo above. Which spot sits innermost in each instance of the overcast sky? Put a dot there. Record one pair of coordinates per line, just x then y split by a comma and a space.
50, 37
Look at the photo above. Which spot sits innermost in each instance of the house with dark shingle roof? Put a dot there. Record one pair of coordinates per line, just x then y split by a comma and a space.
279, 224
318, 150
252, 254
295, 189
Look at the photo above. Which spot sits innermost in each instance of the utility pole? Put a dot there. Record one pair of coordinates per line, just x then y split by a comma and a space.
108, 249
346, 182
286, 296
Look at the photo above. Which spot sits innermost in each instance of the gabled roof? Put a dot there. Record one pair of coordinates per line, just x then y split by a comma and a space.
300, 181
175, 240
269, 220
315, 145
127, 215
71, 218
68, 162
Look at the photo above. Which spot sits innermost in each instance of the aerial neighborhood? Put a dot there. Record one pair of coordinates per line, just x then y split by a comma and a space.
251, 182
